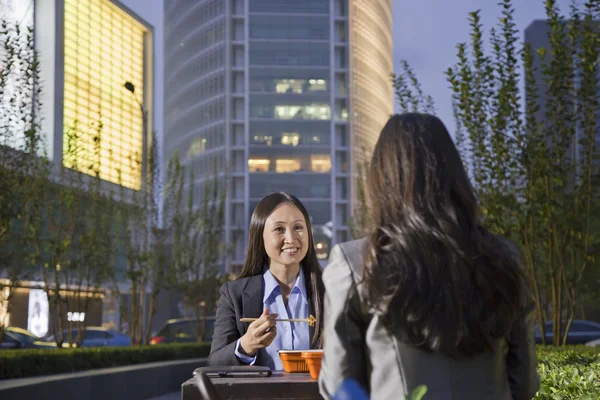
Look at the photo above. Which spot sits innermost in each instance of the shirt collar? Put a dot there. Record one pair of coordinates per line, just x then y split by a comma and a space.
271, 284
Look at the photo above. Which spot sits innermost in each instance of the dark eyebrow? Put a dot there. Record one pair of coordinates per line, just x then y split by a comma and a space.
282, 222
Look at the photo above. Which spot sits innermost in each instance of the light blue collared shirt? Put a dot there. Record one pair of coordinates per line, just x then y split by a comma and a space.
290, 335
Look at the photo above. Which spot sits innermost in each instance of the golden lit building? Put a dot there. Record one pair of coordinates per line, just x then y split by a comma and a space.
371, 63
88, 50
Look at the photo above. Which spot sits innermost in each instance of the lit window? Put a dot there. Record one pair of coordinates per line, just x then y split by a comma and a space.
288, 85
287, 165
287, 112
258, 165
320, 112
298, 86
320, 163
290, 139
322, 250
311, 111
317, 85
344, 114
198, 146
268, 140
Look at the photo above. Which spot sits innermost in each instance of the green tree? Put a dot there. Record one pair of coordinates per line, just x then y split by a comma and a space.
20, 144
139, 216
196, 230
71, 227
533, 161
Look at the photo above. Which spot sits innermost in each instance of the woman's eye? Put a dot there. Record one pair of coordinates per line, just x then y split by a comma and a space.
299, 227
279, 229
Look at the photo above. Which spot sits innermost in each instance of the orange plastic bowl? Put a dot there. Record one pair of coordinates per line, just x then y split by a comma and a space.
313, 360
292, 361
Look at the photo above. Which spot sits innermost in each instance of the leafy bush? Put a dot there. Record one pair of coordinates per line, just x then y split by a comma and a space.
570, 372
35, 362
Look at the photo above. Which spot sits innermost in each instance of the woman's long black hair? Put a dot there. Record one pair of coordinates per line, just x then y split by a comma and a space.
434, 273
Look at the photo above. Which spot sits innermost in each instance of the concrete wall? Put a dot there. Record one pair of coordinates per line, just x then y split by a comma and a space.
136, 382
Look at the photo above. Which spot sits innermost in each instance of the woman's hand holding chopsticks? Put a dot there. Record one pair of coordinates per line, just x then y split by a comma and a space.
260, 334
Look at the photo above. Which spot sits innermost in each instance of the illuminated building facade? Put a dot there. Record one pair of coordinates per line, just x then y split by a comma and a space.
88, 50
371, 62
264, 90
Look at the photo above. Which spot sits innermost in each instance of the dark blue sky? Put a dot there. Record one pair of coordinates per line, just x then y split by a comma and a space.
425, 34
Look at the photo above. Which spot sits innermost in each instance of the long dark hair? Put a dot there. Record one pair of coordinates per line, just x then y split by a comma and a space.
438, 278
257, 258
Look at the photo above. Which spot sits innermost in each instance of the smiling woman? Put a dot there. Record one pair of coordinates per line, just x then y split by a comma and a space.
281, 277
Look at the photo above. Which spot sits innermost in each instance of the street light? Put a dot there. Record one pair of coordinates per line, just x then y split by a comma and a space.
131, 87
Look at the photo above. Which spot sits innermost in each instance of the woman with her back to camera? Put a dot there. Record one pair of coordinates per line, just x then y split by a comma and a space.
281, 278
430, 297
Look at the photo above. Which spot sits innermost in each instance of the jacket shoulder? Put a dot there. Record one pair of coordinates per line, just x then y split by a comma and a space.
353, 253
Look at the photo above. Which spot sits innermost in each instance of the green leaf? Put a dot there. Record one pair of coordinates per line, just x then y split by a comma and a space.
418, 392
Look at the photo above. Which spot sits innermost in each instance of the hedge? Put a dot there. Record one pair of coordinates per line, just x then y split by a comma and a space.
570, 372
35, 362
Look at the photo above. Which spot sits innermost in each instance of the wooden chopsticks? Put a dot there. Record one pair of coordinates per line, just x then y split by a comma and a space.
310, 320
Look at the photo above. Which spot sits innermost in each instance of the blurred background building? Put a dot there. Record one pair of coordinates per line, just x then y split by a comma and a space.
88, 51
277, 95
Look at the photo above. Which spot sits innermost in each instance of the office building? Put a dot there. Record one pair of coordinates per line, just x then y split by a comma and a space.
279, 95
537, 35
88, 50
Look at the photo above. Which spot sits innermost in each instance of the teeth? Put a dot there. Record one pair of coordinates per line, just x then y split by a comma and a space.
290, 250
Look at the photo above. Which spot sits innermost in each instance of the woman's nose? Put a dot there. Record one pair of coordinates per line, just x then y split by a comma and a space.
290, 236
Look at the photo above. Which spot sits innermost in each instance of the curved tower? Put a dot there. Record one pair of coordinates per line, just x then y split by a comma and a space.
279, 94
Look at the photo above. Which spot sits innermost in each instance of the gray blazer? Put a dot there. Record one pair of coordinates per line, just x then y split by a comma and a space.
357, 345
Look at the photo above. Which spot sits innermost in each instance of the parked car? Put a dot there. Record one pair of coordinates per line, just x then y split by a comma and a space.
580, 332
17, 338
183, 330
96, 336
593, 343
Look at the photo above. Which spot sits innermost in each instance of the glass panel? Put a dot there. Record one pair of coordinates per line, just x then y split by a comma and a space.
309, 133
289, 27
319, 212
289, 81
300, 185
287, 6
287, 165
286, 109
290, 139
320, 163
197, 146
283, 160
309, 54
312, 111
258, 165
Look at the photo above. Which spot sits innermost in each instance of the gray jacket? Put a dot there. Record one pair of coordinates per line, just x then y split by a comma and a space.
357, 345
